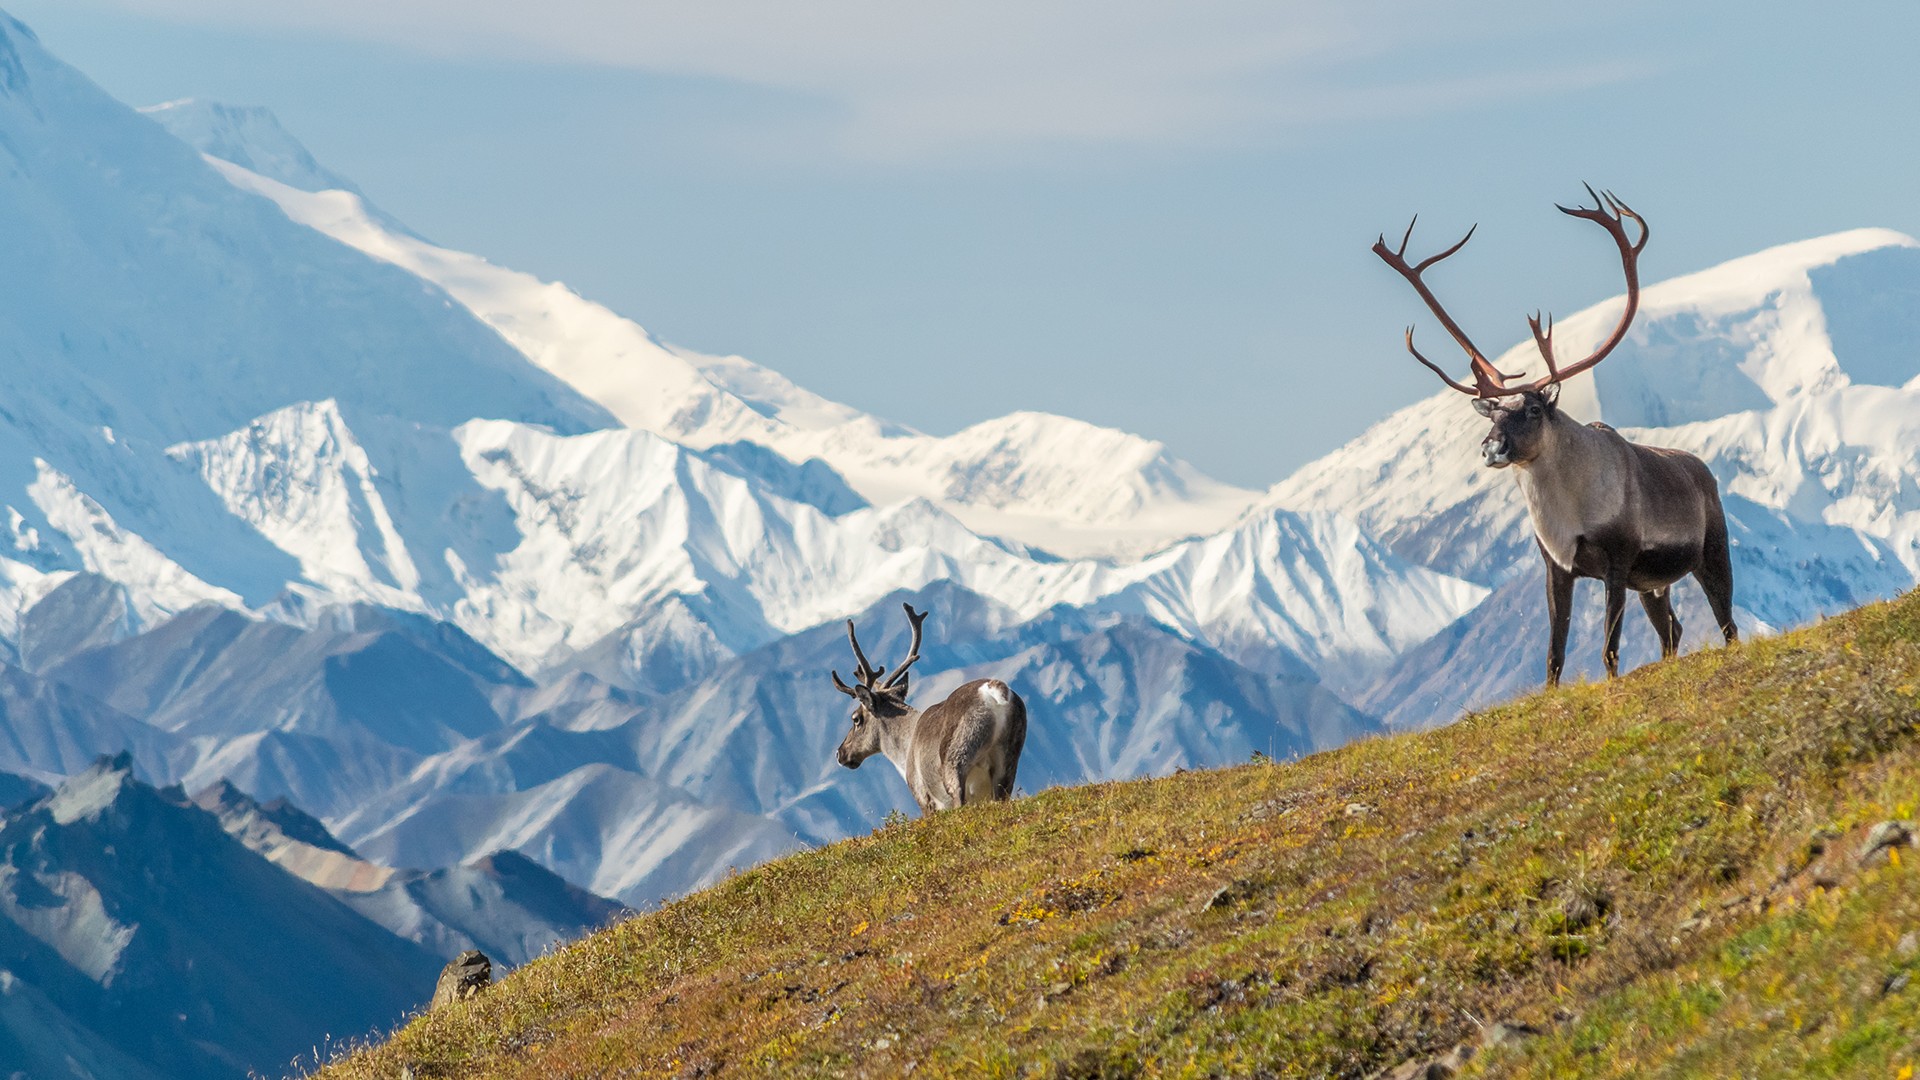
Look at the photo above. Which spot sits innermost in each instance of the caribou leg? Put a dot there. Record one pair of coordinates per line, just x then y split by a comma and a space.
1009, 760
1715, 575
956, 782
1659, 605
1560, 615
1616, 614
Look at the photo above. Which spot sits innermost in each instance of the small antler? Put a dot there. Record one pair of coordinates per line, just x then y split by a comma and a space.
1486, 380
869, 676
865, 672
913, 650
840, 686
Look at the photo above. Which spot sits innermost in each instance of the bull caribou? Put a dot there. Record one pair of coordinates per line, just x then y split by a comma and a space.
1635, 517
963, 750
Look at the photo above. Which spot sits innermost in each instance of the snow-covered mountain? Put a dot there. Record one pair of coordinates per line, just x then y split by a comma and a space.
238, 410
1049, 482
150, 303
250, 137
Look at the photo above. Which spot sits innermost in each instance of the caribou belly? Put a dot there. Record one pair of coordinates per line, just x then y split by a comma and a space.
1660, 565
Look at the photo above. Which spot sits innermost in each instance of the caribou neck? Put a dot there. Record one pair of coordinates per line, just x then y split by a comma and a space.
896, 737
1573, 483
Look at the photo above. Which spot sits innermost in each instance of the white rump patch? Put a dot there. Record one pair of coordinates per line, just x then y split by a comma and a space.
995, 692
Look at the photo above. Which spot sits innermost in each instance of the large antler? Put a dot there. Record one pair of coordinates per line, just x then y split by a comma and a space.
1487, 382
1610, 214
868, 675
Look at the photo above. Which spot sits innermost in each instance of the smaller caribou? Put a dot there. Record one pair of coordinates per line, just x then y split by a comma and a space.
963, 750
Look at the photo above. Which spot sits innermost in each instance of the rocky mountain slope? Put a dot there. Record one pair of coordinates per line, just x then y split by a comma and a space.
137, 939
503, 904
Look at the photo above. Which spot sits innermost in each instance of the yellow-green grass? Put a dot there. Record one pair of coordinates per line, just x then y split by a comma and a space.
1657, 872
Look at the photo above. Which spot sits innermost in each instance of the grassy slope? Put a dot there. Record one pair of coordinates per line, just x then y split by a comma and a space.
1613, 863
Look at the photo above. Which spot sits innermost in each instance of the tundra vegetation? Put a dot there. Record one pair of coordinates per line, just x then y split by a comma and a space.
1661, 874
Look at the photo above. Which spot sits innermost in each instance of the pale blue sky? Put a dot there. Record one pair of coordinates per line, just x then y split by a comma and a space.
1154, 216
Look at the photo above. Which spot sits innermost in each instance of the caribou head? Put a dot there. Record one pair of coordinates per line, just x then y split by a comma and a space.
1522, 426
877, 705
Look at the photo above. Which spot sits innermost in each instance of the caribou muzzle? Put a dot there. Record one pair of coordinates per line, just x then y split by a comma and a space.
1495, 451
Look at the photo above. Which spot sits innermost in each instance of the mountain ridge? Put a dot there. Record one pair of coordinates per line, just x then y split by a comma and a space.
1129, 487
134, 917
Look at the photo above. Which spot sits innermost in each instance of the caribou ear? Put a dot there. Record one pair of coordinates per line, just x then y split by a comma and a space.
1551, 394
1485, 406
863, 694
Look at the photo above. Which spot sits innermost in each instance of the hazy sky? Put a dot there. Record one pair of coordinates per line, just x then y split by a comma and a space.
1149, 215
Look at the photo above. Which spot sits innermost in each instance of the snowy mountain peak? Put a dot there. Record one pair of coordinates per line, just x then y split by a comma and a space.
303, 480
1045, 481
178, 307
92, 792
1732, 284
249, 136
